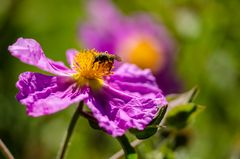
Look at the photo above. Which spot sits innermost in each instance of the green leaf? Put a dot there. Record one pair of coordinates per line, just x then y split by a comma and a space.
167, 153
179, 116
183, 98
144, 134
161, 114
152, 128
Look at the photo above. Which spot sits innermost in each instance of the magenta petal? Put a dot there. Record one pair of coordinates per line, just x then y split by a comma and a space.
130, 100
117, 111
130, 79
102, 11
29, 51
44, 94
70, 56
96, 33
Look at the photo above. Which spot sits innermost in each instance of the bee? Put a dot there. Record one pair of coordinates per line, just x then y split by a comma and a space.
105, 58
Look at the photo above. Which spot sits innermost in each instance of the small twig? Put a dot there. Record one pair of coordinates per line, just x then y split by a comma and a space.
70, 130
120, 153
5, 150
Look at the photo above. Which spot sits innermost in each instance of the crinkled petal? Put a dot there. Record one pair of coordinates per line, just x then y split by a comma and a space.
45, 95
130, 79
70, 56
126, 101
29, 51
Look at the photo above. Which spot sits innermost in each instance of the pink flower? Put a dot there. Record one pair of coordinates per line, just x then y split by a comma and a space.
138, 39
119, 100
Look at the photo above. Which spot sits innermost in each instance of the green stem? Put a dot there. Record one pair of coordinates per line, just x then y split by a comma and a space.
120, 153
129, 151
70, 130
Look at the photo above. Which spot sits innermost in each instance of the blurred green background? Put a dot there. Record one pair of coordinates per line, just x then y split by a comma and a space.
208, 37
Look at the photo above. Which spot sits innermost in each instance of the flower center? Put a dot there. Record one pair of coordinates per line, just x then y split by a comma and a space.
92, 66
144, 52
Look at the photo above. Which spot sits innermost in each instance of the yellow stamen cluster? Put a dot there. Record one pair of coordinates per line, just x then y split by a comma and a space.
91, 65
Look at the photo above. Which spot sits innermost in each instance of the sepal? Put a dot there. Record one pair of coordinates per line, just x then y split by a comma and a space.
152, 128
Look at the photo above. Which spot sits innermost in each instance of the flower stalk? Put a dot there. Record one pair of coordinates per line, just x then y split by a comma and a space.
70, 130
120, 153
129, 151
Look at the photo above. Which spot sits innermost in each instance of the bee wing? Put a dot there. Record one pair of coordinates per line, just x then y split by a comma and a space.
118, 58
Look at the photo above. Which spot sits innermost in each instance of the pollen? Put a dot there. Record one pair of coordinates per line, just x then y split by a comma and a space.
92, 65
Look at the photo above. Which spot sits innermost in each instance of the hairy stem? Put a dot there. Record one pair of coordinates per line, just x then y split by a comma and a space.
129, 151
70, 130
120, 153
